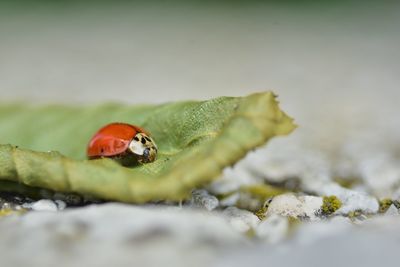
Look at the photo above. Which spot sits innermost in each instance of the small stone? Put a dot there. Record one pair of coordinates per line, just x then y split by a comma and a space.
273, 229
69, 198
60, 204
290, 205
42, 205
241, 220
392, 211
351, 200
202, 199
230, 200
6, 206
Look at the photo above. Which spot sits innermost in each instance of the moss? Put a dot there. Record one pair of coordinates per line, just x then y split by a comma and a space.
384, 204
330, 205
261, 213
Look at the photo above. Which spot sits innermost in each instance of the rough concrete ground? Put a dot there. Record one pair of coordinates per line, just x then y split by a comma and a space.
334, 66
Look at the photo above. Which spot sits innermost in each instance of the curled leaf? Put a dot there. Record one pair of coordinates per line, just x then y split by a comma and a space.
196, 140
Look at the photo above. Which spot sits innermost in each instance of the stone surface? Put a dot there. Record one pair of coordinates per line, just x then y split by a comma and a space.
392, 211
332, 243
351, 200
42, 205
116, 235
273, 229
290, 205
202, 199
241, 220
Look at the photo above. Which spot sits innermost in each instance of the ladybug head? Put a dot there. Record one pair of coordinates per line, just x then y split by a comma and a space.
143, 147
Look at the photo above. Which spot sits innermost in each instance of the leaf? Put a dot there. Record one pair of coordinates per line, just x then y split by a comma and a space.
196, 141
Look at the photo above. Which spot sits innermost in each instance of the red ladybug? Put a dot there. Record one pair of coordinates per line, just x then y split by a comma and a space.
122, 141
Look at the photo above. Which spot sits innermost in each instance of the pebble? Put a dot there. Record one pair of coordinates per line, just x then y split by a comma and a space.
202, 199
273, 229
42, 205
60, 204
392, 211
241, 220
69, 198
290, 205
351, 200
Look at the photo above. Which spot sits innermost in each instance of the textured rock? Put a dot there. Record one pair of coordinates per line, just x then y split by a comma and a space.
60, 204
392, 211
241, 220
290, 205
42, 205
202, 199
273, 229
329, 242
351, 200
233, 178
115, 235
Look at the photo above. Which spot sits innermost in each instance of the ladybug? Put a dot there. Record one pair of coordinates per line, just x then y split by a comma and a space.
123, 142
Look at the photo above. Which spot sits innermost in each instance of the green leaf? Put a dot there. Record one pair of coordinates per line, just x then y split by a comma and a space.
196, 140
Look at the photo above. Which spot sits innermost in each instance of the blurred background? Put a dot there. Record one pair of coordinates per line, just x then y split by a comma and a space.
334, 64
137, 51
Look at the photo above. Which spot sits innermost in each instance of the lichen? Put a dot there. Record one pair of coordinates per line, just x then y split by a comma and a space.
261, 213
384, 204
330, 205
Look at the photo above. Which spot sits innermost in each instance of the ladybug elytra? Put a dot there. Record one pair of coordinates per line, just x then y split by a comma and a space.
122, 141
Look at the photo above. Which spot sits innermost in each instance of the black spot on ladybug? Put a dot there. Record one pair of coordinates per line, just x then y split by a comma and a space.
143, 141
136, 138
102, 150
147, 139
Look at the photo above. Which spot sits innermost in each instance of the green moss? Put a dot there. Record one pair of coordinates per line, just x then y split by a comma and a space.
330, 204
261, 213
384, 204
